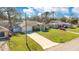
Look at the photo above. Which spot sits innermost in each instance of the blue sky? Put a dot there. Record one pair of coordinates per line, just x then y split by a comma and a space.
59, 11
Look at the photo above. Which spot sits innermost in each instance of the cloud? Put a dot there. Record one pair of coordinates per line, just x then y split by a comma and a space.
28, 10
75, 10
59, 11
64, 9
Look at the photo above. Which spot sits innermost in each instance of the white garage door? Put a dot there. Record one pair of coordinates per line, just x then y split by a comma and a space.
29, 29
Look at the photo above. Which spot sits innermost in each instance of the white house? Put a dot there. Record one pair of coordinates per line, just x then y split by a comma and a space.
27, 26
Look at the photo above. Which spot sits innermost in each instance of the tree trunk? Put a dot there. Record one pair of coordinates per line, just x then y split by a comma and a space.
10, 23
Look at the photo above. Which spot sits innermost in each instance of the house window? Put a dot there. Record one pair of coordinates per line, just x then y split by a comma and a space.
2, 34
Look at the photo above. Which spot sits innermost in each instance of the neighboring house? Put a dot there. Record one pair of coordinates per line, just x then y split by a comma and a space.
4, 23
59, 23
27, 26
17, 28
4, 33
30, 26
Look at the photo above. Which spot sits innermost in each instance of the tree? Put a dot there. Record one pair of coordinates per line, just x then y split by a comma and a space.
2, 15
9, 13
74, 21
45, 19
63, 19
53, 13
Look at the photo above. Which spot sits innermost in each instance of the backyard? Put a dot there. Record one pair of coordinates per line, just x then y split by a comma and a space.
59, 36
18, 43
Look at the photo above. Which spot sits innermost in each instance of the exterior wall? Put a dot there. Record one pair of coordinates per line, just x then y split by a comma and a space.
29, 29
17, 29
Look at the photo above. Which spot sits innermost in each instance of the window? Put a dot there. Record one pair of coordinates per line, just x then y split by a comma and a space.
2, 34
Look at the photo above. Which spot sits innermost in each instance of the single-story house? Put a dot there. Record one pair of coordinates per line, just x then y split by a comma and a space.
4, 23
28, 27
17, 28
4, 33
57, 24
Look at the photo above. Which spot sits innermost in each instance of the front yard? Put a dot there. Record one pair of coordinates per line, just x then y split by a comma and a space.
74, 30
18, 43
59, 36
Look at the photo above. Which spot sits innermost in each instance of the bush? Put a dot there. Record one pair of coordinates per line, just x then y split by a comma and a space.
78, 26
72, 27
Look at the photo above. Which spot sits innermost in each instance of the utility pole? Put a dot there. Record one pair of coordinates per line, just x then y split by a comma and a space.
26, 34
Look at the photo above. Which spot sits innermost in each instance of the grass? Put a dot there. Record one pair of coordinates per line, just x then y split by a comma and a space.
74, 30
59, 36
18, 43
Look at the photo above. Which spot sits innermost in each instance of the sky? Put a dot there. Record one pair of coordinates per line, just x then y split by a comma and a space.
59, 11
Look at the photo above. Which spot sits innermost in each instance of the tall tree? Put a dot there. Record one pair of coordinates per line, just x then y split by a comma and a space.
9, 12
45, 19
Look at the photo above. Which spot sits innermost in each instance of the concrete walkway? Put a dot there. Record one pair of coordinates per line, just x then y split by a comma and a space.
4, 46
42, 41
72, 45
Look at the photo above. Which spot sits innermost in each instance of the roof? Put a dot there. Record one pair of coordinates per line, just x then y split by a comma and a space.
4, 23
60, 23
29, 23
3, 28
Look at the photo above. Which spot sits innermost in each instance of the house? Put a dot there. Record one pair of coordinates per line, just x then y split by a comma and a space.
4, 33
31, 26
27, 26
17, 28
59, 23
4, 23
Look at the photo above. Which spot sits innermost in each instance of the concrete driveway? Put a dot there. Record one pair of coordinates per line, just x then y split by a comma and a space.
42, 41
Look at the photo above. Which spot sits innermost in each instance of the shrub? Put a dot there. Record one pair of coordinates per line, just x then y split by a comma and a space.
72, 27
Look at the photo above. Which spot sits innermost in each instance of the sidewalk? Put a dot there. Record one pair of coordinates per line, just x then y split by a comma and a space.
42, 41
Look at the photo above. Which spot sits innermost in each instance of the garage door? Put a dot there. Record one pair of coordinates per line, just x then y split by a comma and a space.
29, 29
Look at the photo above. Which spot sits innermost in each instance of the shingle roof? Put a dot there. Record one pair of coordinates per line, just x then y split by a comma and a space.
3, 29
28, 23
4, 24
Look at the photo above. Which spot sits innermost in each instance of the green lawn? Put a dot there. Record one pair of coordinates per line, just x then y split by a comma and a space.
18, 43
58, 35
74, 30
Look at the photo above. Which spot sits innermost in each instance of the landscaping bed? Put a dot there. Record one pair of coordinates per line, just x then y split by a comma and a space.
59, 36
18, 43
